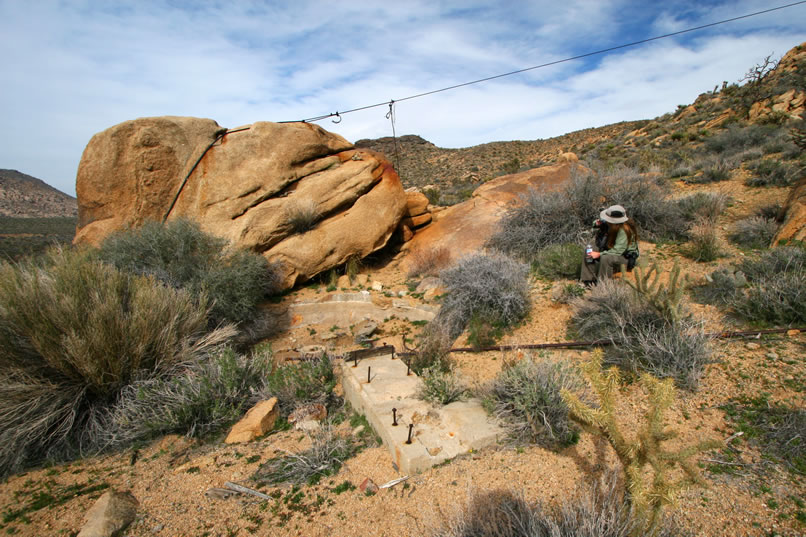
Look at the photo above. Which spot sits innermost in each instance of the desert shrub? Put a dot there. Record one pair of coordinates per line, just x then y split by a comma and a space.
329, 449
73, 333
559, 217
775, 428
526, 397
427, 261
301, 214
441, 387
304, 382
598, 511
704, 243
713, 173
736, 139
567, 292
482, 333
494, 287
558, 261
180, 255
721, 288
433, 350
771, 173
433, 195
781, 259
195, 399
754, 232
707, 205
642, 337
770, 211
778, 300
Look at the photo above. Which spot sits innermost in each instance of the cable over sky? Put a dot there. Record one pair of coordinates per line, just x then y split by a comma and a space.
338, 114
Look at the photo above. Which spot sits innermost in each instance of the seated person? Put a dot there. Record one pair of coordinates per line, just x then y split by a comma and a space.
616, 243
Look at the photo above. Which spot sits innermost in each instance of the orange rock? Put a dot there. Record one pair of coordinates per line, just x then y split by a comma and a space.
257, 422
416, 221
416, 203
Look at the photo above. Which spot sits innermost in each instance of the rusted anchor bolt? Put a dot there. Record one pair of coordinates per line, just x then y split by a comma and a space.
394, 417
408, 367
355, 361
411, 427
369, 378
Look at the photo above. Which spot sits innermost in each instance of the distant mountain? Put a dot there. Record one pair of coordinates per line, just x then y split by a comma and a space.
24, 196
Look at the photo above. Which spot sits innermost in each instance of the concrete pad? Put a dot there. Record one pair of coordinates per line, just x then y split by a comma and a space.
345, 309
438, 434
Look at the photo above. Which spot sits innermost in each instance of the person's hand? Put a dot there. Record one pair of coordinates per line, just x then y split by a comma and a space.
595, 255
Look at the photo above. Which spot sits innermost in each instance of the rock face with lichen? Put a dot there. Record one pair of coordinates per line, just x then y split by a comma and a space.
300, 195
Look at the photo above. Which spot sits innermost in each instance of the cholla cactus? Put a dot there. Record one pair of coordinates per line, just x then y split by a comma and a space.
667, 299
647, 493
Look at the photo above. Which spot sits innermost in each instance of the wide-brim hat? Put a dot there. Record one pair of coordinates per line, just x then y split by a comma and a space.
615, 214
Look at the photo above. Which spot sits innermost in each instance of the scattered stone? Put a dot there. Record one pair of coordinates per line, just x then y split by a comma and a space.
431, 294
772, 355
158, 528
110, 514
307, 425
312, 412
327, 336
344, 282
791, 333
368, 485
377, 286
364, 329
361, 279
431, 282
358, 430
752, 346
257, 422
312, 350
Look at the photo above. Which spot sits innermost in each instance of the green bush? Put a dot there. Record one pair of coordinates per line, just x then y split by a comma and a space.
642, 337
754, 232
558, 261
180, 255
301, 383
713, 173
441, 387
73, 333
736, 139
526, 397
195, 399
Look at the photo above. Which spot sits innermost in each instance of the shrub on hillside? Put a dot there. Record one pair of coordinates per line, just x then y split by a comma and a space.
304, 382
754, 232
642, 336
526, 397
180, 255
771, 173
703, 205
714, 172
74, 332
441, 387
736, 139
704, 243
493, 287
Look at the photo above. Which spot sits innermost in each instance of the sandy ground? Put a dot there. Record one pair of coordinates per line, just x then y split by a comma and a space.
171, 475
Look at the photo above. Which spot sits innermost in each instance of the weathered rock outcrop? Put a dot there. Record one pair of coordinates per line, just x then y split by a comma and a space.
794, 210
466, 227
249, 186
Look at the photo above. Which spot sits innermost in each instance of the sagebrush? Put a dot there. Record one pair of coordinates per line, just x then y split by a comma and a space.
179, 254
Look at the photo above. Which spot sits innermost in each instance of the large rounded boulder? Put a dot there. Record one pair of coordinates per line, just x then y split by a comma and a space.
298, 194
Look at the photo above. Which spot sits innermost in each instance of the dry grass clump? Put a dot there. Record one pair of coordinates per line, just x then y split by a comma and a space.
754, 232
703, 205
526, 397
441, 386
428, 261
704, 242
302, 214
73, 333
599, 511
644, 337
179, 254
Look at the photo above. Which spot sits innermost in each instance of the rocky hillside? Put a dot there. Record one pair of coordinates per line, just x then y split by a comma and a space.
24, 196
772, 94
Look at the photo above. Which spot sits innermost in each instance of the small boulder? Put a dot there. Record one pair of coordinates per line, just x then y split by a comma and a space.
368, 485
110, 514
304, 417
416, 203
257, 422
344, 282
364, 329
377, 286
431, 282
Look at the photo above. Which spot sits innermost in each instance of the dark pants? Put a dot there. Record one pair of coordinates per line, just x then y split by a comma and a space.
601, 268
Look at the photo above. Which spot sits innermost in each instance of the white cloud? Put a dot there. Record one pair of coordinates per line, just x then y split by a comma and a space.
80, 67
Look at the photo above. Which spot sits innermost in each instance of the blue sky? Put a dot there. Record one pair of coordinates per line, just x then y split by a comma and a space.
72, 68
